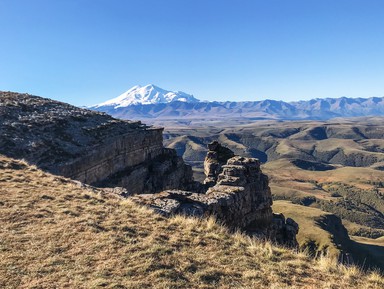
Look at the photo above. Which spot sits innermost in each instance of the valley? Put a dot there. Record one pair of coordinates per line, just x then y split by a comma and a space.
334, 167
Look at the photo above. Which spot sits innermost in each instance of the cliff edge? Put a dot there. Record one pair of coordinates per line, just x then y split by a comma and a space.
88, 146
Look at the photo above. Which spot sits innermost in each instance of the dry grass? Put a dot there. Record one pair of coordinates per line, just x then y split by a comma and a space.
310, 231
318, 240
54, 234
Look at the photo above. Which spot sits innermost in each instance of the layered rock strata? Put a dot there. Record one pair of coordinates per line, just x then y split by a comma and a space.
217, 156
88, 146
240, 199
165, 171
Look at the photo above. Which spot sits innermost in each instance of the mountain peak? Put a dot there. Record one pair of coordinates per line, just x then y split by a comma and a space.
148, 94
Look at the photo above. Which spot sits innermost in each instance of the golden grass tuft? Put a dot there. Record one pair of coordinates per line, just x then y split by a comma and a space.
55, 234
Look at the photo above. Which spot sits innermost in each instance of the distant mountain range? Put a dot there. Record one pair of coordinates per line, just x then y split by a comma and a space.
149, 94
152, 102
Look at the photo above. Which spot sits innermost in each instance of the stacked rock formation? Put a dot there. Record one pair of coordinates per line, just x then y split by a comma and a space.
89, 146
217, 156
241, 198
242, 179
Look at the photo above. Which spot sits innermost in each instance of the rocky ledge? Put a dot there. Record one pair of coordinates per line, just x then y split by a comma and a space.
241, 199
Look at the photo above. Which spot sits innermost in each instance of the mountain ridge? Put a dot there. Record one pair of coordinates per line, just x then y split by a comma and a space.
178, 105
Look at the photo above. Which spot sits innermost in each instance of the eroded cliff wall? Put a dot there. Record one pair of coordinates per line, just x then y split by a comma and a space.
113, 155
88, 146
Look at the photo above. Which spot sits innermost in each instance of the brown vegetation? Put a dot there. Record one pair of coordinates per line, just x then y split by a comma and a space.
57, 234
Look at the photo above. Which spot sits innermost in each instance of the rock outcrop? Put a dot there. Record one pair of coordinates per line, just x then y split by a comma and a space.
241, 199
88, 146
217, 156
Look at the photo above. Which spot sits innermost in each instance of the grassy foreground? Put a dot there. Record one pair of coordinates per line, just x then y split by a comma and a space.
56, 234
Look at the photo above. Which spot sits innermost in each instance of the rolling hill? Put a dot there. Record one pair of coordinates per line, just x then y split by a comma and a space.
335, 166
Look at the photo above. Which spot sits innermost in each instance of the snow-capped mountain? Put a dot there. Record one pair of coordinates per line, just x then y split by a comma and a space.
152, 102
149, 94
321, 109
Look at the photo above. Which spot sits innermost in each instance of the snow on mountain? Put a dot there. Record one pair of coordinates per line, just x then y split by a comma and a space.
160, 103
149, 94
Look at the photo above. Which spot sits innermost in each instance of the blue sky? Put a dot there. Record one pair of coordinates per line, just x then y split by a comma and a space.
87, 51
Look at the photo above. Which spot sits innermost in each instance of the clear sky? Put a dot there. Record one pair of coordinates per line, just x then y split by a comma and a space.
87, 51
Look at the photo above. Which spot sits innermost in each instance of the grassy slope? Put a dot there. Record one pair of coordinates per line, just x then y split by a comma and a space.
364, 250
352, 183
55, 234
309, 231
282, 171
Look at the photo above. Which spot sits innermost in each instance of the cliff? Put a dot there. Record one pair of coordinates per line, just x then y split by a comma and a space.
96, 149
88, 146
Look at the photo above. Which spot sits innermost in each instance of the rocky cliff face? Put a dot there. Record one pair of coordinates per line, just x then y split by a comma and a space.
88, 146
241, 198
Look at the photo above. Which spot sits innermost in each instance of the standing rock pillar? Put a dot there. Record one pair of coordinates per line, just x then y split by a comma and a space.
217, 156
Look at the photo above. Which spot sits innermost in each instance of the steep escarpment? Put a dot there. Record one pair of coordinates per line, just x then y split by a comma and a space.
324, 233
88, 146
